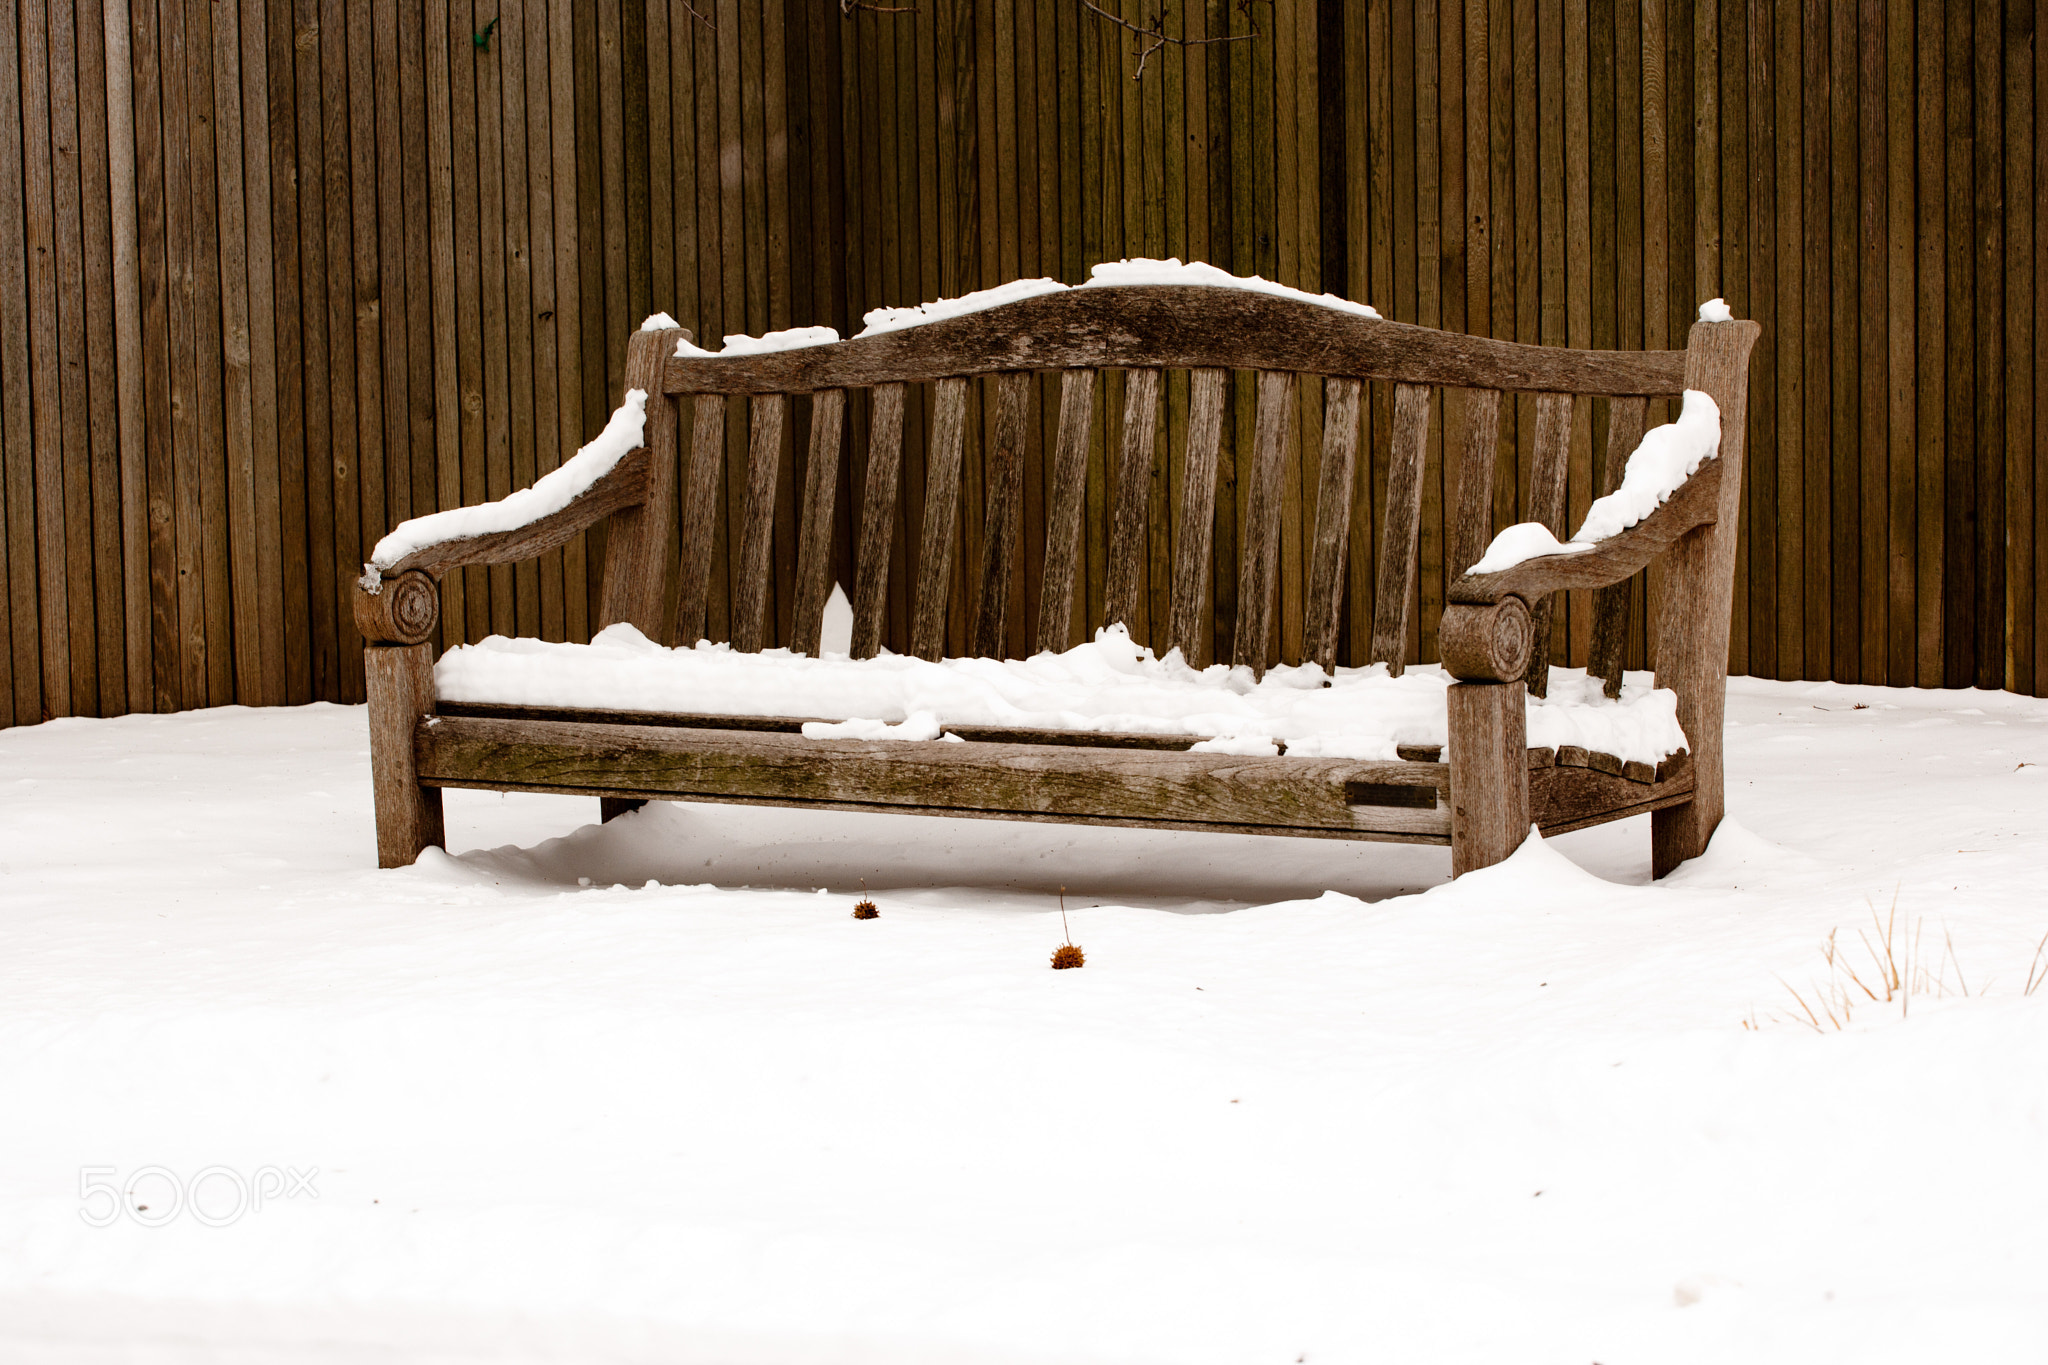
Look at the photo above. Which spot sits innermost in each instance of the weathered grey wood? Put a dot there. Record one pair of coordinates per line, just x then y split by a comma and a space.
814, 541
1398, 543
941, 515
1625, 417
629, 799
624, 487
1480, 802
1063, 516
1696, 503
877, 520
1567, 798
1000, 526
699, 515
1197, 533
997, 734
1489, 765
399, 682
1428, 755
403, 611
637, 549
1180, 327
1473, 527
1696, 598
1574, 756
750, 577
1127, 514
1259, 562
1486, 643
1049, 781
1324, 604
1547, 473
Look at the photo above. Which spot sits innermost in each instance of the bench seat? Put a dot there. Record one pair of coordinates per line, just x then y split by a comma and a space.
1066, 777
1107, 684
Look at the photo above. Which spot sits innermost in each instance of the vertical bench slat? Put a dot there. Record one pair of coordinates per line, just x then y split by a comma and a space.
1625, 417
764, 460
1546, 506
877, 520
1259, 567
636, 558
699, 515
1005, 504
1473, 528
1127, 519
1197, 533
1333, 521
1063, 518
941, 514
814, 541
1398, 542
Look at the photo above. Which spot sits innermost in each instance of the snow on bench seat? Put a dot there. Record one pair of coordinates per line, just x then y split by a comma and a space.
1109, 683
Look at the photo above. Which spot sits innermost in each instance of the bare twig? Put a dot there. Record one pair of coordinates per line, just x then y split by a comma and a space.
847, 7
2038, 972
699, 15
1150, 38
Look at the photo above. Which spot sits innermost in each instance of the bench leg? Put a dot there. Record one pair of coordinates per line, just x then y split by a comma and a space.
400, 682
1678, 833
1489, 756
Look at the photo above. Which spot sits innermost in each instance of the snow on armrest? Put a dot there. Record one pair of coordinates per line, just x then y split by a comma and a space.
1667, 457
548, 495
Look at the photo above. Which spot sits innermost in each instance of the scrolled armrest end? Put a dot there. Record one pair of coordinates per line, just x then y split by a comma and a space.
404, 610
1486, 642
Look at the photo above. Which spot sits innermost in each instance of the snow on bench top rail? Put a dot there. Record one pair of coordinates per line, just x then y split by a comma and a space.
1171, 271
1109, 683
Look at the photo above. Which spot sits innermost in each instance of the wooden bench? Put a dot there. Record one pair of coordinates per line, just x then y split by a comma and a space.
1480, 798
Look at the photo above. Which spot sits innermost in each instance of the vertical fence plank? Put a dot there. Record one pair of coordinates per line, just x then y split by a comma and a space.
237, 370
1900, 323
350, 414
73, 393
1873, 398
1930, 424
17, 437
266, 534
103, 412
40, 213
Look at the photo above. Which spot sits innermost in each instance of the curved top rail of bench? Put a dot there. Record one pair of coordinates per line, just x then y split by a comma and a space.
1179, 327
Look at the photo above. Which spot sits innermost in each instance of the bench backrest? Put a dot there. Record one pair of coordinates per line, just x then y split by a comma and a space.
663, 552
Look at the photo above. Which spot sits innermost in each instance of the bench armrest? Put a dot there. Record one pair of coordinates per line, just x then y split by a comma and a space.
1613, 560
400, 603
625, 486
1486, 633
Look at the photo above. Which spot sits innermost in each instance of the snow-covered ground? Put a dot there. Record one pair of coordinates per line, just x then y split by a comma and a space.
1306, 1102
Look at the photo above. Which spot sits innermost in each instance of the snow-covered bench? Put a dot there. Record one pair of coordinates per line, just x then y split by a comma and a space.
1106, 733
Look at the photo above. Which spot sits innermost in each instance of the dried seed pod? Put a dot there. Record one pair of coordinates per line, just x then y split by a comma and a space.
1065, 956
866, 910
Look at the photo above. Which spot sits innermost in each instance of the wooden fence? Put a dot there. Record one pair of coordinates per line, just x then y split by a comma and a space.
277, 274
